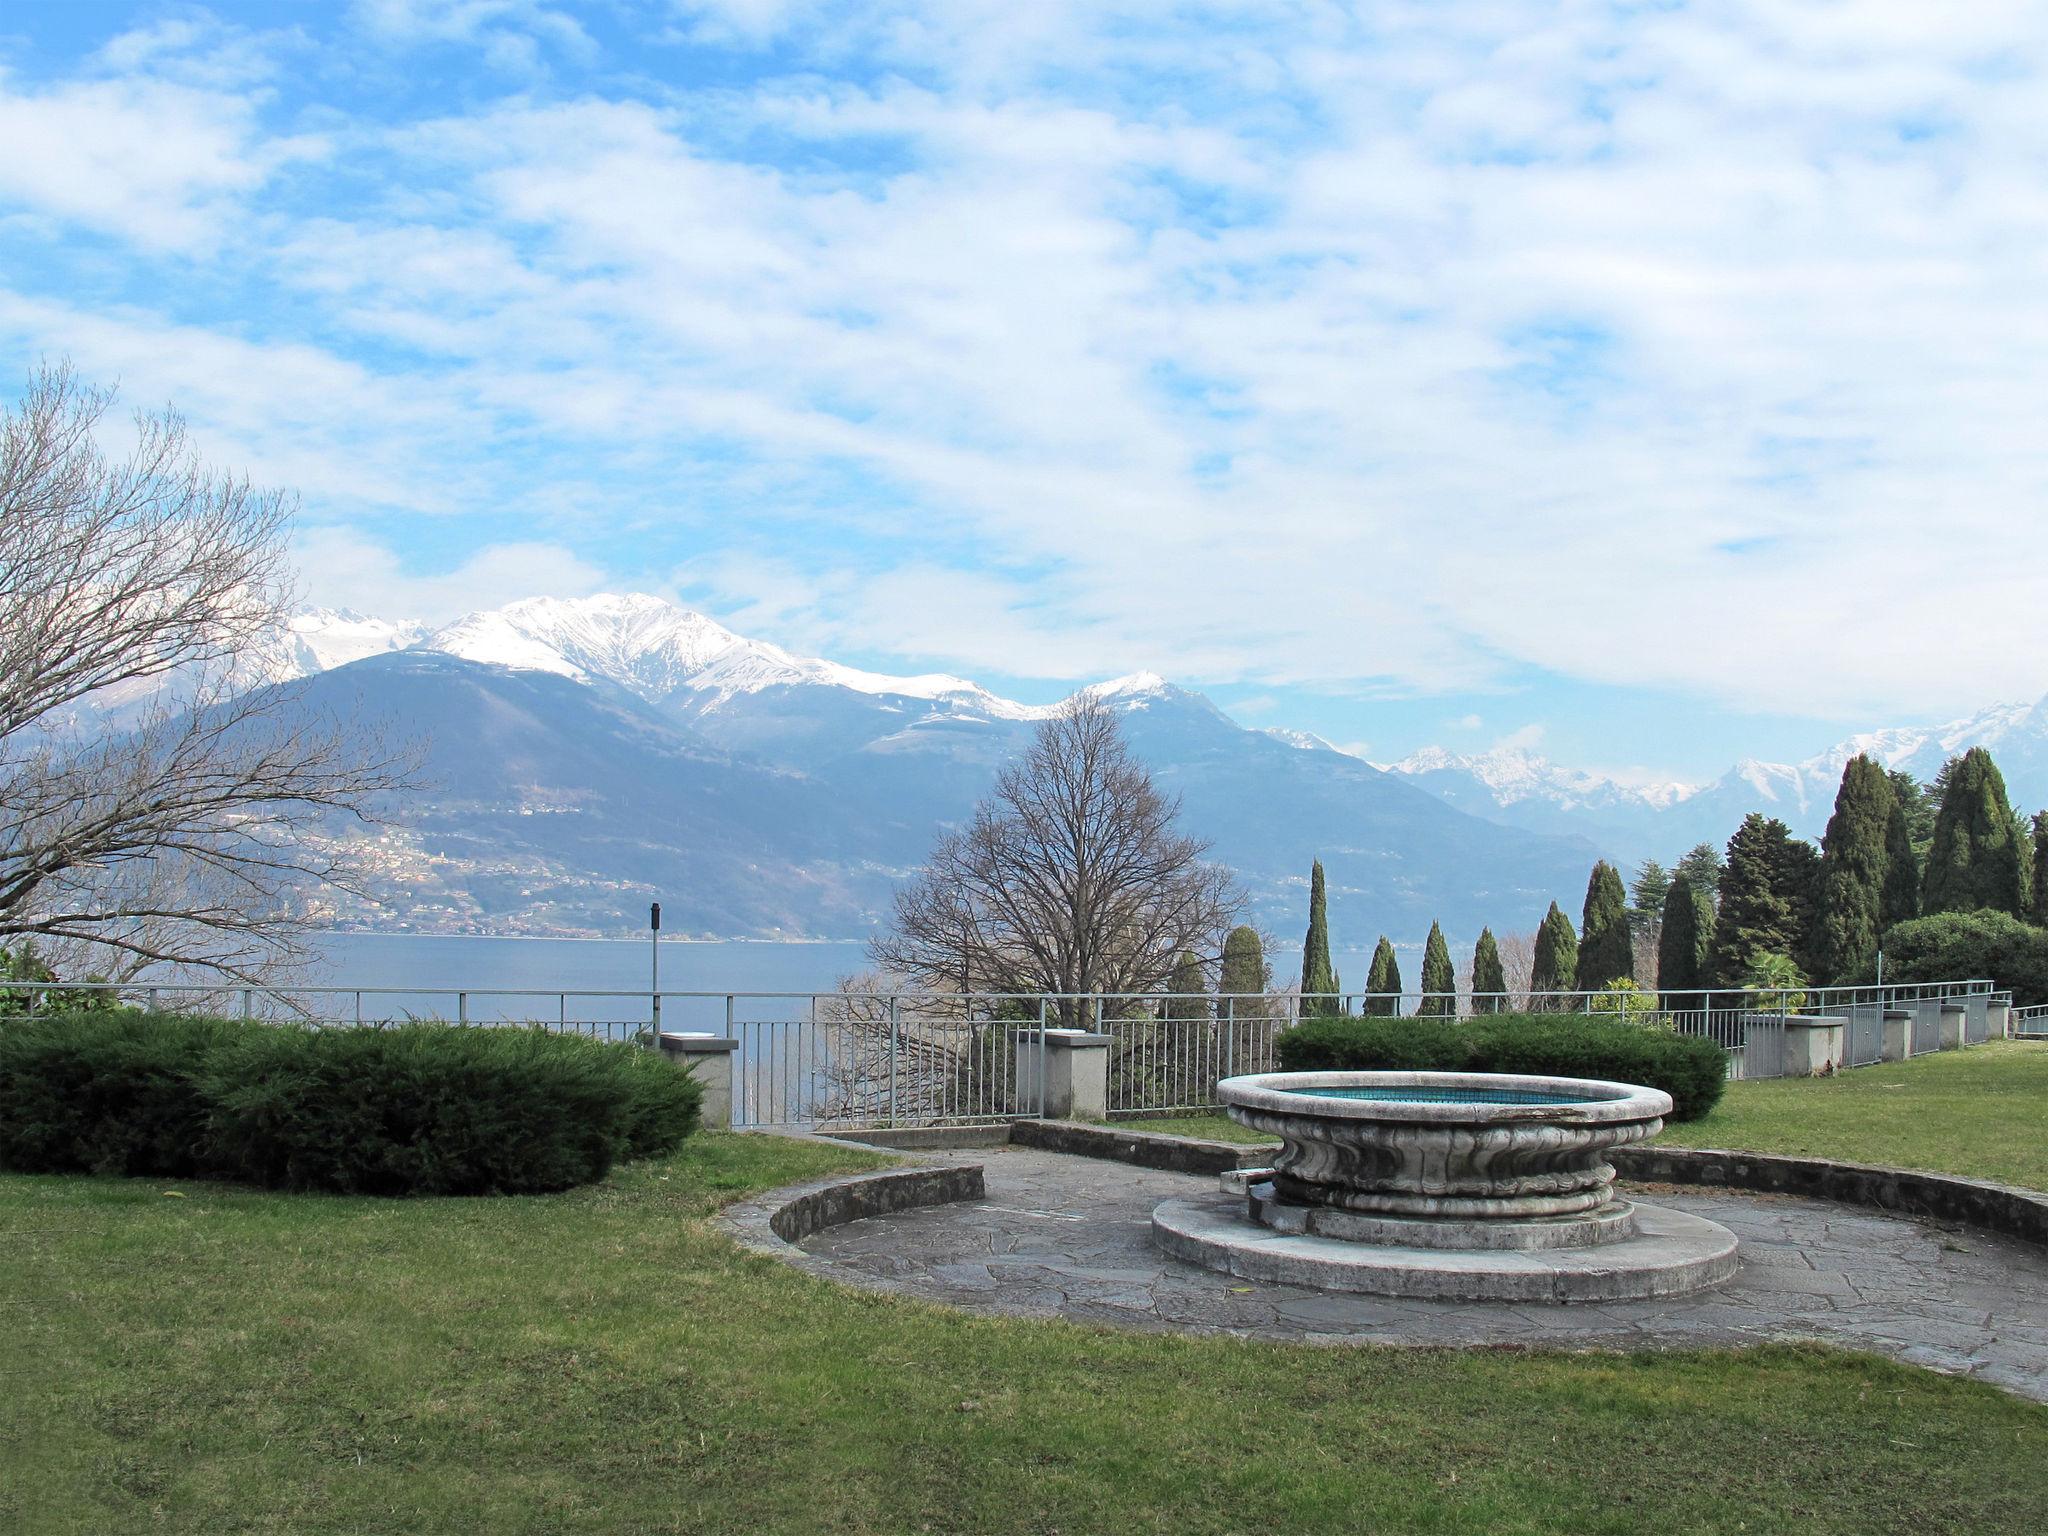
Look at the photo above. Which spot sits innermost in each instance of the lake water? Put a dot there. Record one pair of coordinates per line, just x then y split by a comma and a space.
427, 975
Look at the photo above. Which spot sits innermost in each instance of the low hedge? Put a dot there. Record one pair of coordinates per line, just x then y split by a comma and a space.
420, 1109
1692, 1069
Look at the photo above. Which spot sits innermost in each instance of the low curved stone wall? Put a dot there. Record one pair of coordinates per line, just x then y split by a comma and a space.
784, 1217
2021, 1213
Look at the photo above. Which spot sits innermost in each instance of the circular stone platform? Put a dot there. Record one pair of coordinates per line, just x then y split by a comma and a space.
1666, 1253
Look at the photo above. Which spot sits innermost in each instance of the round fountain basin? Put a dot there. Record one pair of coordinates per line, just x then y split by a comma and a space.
1468, 1146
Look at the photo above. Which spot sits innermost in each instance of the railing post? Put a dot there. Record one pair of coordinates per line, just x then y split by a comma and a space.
462, 1008
1230, 1037
895, 1041
248, 1003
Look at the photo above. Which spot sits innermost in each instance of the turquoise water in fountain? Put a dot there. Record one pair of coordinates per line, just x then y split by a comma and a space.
1393, 1095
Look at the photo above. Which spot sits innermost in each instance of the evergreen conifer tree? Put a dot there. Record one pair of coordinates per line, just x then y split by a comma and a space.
1489, 978
1606, 942
1439, 980
1244, 966
1974, 861
1188, 988
1766, 886
1556, 964
2040, 913
1918, 803
1702, 867
1318, 978
1854, 870
1899, 901
1646, 894
1684, 944
1383, 981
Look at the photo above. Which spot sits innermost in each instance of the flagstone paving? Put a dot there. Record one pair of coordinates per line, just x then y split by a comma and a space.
1070, 1237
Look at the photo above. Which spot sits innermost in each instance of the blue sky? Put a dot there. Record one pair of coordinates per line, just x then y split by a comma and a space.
1655, 384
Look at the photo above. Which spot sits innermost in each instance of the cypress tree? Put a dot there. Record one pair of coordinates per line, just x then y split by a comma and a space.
1244, 965
1188, 989
1854, 866
1556, 964
1919, 802
1606, 943
1318, 978
1899, 901
1974, 862
1757, 913
1439, 981
1383, 981
1489, 979
2041, 866
1684, 944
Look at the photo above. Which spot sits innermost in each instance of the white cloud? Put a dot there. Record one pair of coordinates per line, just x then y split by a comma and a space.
342, 569
1660, 347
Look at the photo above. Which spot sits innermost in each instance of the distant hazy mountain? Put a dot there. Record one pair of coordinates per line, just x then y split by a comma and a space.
1662, 821
589, 755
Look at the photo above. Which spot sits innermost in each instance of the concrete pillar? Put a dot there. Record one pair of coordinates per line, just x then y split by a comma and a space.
1076, 1083
1815, 1044
1952, 1014
709, 1060
1998, 1018
1898, 1034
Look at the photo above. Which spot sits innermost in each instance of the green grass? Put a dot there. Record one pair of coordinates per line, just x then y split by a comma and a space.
1981, 1112
1209, 1127
600, 1361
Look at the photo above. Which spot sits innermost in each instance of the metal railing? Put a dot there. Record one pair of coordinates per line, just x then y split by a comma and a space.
852, 1058
2030, 1022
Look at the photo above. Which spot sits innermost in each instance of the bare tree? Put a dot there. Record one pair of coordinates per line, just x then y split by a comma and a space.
179, 836
1072, 877
1517, 965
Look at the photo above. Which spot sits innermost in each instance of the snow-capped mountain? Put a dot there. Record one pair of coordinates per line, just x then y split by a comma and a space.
1519, 788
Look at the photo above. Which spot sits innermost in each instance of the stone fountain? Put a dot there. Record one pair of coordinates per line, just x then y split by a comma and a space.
1447, 1185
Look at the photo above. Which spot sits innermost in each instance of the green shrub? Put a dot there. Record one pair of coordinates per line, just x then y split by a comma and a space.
1957, 946
423, 1109
1692, 1069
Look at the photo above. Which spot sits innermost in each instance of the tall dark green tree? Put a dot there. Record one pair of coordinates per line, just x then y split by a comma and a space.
1555, 967
1383, 981
1489, 978
1855, 868
1319, 998
1684, 944
1646, 895
1918, 802
1702, 867
2040, 912
1974, 861
1187, 988
1761, 897
1899, 902
1606, 941
1244, 965
1439, 980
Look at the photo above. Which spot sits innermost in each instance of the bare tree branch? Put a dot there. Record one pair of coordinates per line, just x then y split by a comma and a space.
1072, 877
180, 838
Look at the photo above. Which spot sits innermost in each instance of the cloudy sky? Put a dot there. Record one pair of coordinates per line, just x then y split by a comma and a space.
1658, 383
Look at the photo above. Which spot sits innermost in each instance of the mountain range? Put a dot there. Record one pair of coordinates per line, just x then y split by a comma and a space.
583, 757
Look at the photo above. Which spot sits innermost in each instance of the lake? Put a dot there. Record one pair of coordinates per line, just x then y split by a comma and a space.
425, 973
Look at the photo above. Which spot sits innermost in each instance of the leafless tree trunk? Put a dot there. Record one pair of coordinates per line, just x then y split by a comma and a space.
1072, 877
1517, 965
181, 836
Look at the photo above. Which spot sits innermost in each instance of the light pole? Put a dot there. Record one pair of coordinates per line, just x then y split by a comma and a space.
654, 968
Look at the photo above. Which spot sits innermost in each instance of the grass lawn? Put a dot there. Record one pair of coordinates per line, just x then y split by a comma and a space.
192, 1358
1981, 1112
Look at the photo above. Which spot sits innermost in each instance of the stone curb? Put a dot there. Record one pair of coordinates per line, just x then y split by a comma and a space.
2021, 1213
777, 1221
1143, 1149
